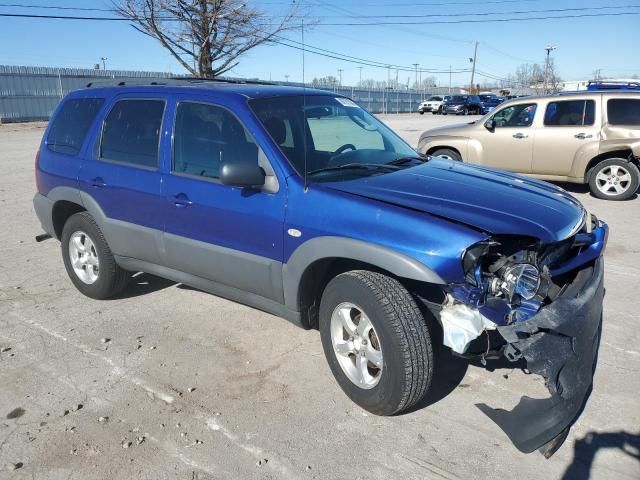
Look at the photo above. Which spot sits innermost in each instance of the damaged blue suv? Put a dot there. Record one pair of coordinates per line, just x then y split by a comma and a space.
300, 203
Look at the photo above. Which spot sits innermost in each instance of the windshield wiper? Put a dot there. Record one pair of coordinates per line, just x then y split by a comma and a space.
405, 160
356, 166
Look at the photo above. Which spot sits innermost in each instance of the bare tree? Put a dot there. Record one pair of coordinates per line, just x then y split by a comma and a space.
207, 37
532, 75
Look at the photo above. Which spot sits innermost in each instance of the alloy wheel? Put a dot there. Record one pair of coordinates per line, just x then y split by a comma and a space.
84, 257
356, 345
613, 180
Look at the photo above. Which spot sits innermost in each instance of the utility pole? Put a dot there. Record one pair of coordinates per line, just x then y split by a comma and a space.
549, 49
286, 78
104, 62
340, 76
449, 79
360, 84
473, 68
415, 65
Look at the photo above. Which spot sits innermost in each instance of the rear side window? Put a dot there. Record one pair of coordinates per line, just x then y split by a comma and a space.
131, 132
70, 126
570, 113
623, 111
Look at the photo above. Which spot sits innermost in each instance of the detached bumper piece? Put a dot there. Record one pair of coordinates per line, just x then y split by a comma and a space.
560, 343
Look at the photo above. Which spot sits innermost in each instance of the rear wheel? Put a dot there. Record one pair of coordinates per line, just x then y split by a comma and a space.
448, 154
376, 341
614, 179
88, 259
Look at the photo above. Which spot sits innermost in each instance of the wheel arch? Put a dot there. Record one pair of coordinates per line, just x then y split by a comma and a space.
317, 261
65, 202
431, 150
623, 153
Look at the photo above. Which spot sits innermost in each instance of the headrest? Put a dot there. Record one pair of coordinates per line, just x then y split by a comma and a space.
277, 129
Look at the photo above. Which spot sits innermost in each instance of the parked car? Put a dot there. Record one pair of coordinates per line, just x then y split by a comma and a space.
587, 137
300, 203
462, 105
433, 104
489, 102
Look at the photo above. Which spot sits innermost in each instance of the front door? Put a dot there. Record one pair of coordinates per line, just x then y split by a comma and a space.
232, 236
510, 145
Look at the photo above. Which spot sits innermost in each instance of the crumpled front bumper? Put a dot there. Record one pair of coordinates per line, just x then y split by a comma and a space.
560, 343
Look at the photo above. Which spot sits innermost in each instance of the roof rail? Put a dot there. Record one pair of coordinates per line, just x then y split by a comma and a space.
164, 81
599, 85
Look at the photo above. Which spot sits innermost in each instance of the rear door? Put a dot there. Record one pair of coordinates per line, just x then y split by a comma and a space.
510, 145
568, 125
232, 236
121, 174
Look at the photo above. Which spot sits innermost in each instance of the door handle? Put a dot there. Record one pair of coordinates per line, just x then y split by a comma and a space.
181, 200
520, 135
582, 136
98, 182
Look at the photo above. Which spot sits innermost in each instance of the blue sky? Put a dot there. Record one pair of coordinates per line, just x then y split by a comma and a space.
584, 44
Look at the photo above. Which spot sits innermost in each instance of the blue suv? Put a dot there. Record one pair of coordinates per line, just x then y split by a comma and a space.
300, 203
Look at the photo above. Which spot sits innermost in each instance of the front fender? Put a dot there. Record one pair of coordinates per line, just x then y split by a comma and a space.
320, 248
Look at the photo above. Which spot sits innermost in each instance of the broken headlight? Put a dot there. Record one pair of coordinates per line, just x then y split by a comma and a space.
521, 279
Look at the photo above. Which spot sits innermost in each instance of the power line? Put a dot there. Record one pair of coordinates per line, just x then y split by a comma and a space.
479, 14
355, 16
348, 58
488, 20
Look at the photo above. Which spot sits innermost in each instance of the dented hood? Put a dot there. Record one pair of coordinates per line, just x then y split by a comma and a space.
488, 200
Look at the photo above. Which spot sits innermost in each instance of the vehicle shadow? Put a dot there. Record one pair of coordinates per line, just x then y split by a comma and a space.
143, 283
586, 448
449, 370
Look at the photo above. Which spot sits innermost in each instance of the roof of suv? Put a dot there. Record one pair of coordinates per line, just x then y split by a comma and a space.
578, 93
248, 89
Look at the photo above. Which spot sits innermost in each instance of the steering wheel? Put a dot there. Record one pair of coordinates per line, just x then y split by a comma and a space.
346, 146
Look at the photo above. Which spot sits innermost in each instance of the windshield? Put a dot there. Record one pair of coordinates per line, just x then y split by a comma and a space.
434, 99
488, 98
332, 137
457, 99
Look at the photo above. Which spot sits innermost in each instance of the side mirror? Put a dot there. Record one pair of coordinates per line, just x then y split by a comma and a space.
490, 124
243, 173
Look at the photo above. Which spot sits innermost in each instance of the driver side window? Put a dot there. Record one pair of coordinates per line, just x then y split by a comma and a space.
329, 133
520, 115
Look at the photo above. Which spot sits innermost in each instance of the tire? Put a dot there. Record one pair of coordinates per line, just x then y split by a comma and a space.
447, 153
421, 113
99, 281
465, 112
398, 330
614, 179
444, 113
434, 112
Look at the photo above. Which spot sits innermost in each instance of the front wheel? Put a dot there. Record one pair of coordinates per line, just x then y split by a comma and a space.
421, 113
447, 153
614, 179
376, 341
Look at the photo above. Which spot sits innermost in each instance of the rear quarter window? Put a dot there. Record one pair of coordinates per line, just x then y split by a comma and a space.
623, 111
70, 125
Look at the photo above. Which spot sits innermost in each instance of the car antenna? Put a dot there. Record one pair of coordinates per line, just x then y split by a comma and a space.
304, 109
